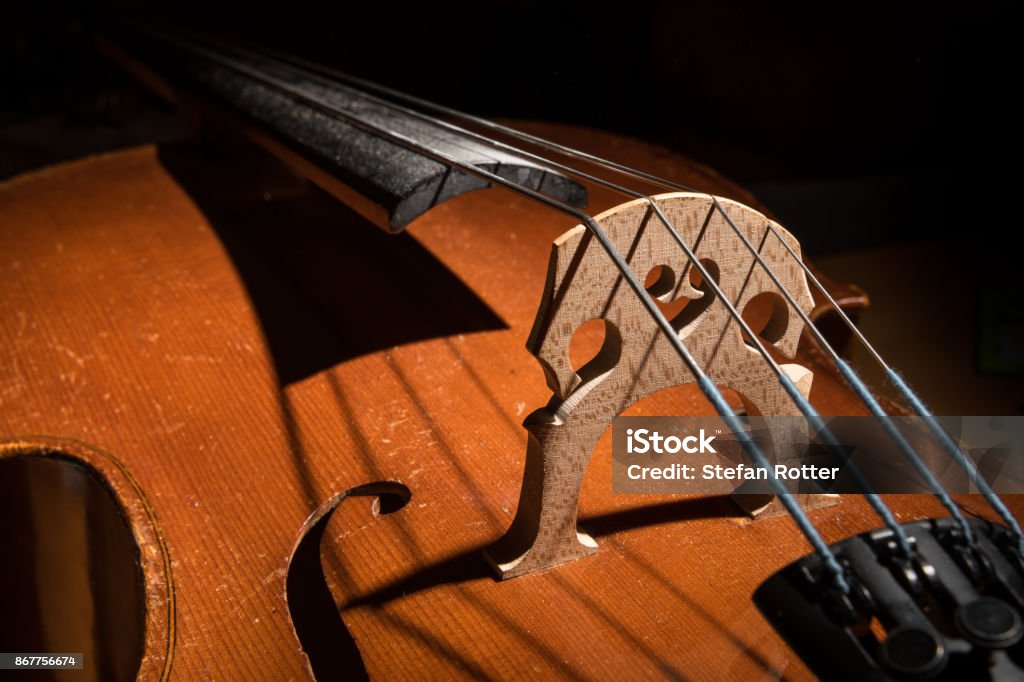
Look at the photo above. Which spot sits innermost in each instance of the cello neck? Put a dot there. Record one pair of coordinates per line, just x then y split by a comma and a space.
339, 136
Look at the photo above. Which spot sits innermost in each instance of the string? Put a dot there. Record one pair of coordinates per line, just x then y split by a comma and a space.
817, 423
848, 374
705, 383
916, 403
919, 407
862, 391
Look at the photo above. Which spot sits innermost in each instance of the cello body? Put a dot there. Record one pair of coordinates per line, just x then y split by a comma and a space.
226, 349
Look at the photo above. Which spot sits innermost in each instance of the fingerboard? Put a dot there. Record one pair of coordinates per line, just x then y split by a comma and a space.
337, 135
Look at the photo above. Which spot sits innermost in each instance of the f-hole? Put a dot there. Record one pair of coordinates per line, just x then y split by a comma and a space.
329, 646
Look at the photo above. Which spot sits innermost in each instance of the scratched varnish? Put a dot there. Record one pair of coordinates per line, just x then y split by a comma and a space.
227, 348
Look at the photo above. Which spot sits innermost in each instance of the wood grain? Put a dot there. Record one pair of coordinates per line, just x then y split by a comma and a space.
635, 359
126, 322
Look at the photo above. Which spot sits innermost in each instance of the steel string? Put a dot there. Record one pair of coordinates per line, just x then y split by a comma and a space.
706, 385
856, 383
816, 421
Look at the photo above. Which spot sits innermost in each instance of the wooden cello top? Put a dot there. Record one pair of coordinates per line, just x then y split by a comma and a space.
240, 348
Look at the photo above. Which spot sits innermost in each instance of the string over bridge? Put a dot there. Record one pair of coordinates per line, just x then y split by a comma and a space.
636, 359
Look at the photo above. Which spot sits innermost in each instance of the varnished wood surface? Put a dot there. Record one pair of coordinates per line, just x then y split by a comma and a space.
245, 348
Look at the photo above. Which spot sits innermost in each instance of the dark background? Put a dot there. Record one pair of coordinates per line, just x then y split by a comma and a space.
869, 113
861, 126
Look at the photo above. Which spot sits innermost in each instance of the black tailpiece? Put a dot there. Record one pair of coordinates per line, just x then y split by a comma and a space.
950, 611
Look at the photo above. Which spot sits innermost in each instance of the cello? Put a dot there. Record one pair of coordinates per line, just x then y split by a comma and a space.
313, 431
